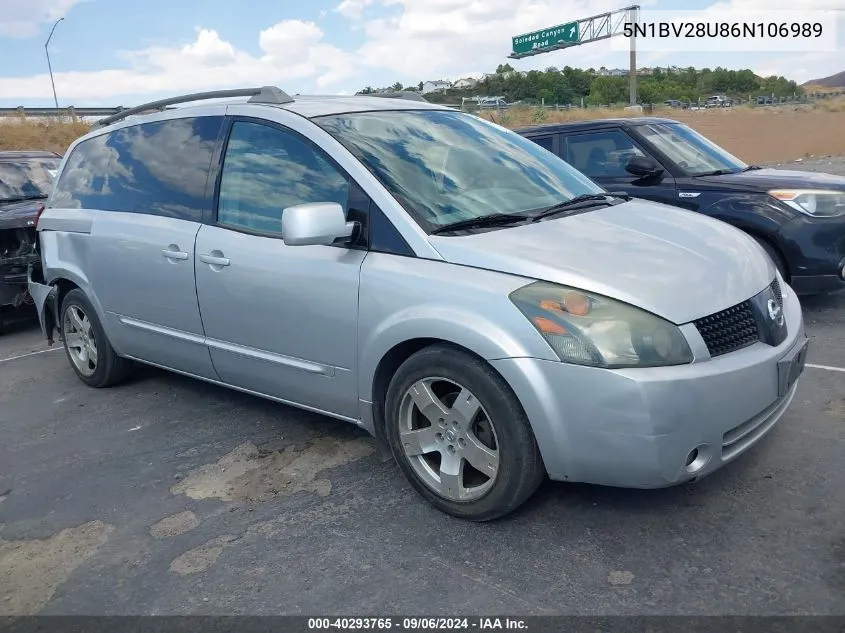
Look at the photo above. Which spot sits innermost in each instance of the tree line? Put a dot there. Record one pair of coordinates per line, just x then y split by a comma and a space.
571, 85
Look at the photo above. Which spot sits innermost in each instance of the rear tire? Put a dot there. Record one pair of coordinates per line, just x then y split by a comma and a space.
775, 256
460, 435
87, 347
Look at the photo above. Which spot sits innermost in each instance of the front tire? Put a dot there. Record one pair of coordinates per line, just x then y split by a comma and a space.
460, 435
87, 347
775, 256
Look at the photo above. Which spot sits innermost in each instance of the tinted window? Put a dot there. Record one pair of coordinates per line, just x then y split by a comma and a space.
601, 154
267, 169
159, 168
444, 166
547, 142
27, 177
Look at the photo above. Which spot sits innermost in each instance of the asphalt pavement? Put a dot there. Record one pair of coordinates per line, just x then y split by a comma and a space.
170, 496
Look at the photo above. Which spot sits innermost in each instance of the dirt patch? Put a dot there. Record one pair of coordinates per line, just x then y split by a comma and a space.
175, 525
772, 137
836, 409
201, 558
250, 474
31, 571
618, 578
755, 135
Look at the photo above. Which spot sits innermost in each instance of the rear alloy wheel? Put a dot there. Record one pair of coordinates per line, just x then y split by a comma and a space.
87, 347
460, 435
79, 340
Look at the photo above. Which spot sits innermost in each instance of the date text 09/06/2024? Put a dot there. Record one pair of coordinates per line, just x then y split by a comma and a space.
772, 30
416, 624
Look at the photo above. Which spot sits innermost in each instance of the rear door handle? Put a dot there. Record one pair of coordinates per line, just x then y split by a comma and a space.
214, 261
174, 254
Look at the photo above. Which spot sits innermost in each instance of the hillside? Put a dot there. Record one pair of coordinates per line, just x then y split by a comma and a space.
834, 81
603, 86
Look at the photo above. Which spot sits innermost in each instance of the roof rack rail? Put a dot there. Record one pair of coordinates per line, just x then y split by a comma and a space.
264, 94
400, 94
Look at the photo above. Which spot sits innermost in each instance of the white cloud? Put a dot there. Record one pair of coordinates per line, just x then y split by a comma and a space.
406, 40
290, 50
453, 37
23, 18
353, 8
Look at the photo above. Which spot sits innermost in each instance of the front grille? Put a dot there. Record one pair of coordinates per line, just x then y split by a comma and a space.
729, 330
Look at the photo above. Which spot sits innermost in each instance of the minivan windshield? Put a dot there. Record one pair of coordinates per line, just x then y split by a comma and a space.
27, 178
445, 166
689, 150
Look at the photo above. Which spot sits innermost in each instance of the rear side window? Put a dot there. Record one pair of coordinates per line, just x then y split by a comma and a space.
158, 168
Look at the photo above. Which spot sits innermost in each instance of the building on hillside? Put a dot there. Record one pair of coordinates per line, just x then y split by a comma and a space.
435, 86
611, 72
465, 84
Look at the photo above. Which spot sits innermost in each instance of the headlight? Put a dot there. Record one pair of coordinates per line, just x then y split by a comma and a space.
819, 203
588, 329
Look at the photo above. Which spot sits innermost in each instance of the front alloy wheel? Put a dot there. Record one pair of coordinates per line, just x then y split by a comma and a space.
460, 435
449, 439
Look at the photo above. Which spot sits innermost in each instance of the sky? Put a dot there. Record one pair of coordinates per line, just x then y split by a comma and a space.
116, 52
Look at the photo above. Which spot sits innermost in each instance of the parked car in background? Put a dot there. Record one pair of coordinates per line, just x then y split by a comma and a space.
484, 309
718, 101
797, 217
26, 179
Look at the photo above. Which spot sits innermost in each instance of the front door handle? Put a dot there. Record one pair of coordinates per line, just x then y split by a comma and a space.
174, 253
214, 260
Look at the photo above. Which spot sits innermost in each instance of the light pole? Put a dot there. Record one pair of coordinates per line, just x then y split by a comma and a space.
46, 50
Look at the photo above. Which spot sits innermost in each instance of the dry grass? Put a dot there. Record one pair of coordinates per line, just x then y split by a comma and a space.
39, 134
757, 135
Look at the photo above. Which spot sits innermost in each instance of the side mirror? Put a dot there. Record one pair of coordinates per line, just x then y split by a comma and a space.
318, 223
643, 166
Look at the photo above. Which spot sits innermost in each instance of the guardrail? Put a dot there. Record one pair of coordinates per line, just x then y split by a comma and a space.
71, 112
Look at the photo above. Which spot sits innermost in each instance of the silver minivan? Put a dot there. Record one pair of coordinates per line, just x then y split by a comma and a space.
485, 311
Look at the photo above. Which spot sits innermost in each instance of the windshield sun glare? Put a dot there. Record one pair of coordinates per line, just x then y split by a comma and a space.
445, 166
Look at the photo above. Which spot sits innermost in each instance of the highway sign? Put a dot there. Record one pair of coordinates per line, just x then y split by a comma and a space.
561, 34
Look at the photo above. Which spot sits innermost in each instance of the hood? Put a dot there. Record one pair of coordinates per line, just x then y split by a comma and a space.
765, 179
14, 215
678, 264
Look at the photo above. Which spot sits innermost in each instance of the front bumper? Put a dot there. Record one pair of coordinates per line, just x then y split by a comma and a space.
638, 428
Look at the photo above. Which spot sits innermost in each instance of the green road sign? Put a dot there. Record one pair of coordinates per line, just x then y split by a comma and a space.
562, 34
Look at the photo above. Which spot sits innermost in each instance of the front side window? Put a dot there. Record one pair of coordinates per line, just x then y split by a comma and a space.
445, 166
27, 178
601, 154
689, 150
157, 168
267, 169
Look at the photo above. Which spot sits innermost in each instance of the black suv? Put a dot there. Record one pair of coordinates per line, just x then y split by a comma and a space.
797, 217
26, 179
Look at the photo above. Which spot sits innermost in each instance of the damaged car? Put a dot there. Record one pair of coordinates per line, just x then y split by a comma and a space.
26, 179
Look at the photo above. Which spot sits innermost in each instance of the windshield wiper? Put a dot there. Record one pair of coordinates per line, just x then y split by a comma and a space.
24, 198
718, 172
576, 202
751, 168
491, 219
